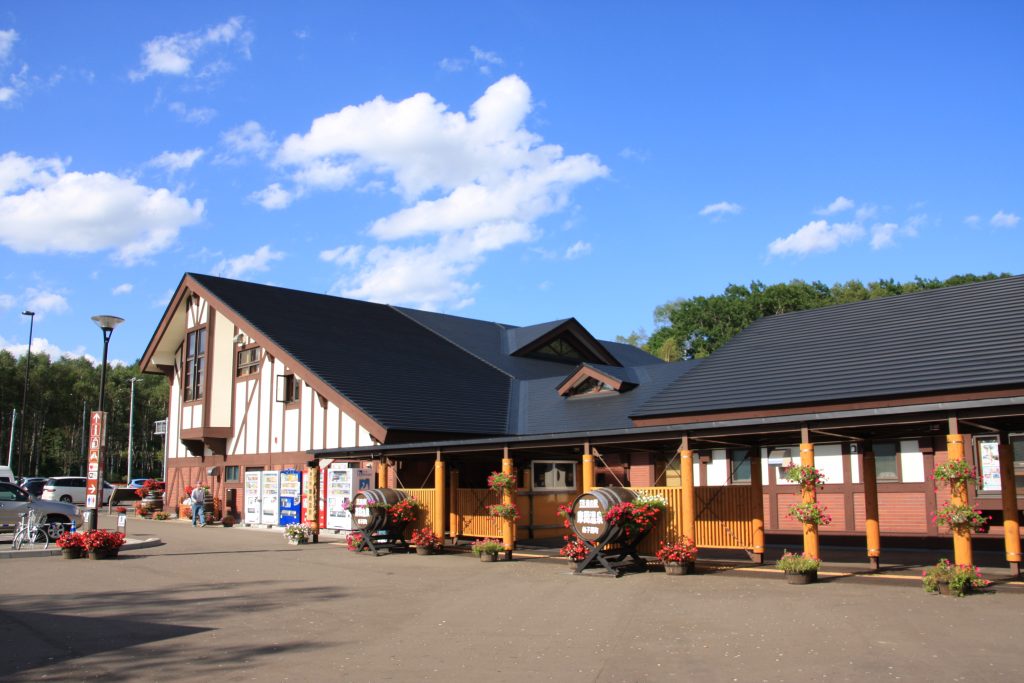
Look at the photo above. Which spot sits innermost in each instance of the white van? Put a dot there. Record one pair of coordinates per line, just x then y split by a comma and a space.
7, 475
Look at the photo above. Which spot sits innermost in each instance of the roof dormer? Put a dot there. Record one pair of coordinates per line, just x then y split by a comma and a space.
564, 341
587, 380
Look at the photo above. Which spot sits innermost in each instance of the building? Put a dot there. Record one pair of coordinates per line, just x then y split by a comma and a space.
875, 394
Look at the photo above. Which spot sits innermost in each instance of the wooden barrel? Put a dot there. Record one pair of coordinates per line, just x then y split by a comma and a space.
371, 506
589, 509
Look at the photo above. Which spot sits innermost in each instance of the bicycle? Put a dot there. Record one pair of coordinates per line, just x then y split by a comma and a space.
30, 532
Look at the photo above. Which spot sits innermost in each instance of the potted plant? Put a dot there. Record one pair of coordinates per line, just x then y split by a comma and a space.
946, 578
576, 550
506, 511
404, 511
102, 544
961, 517
810, 513
298, 534
807, 476
161, 515
353, 542
956, 474
799, 569
72, 544
426, 541
487, 549
499, 482
679, 557
228, 521
635, 518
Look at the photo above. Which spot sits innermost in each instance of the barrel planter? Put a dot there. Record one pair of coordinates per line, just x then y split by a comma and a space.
370, 516
801, 578
153, 502
679, 568
589, 509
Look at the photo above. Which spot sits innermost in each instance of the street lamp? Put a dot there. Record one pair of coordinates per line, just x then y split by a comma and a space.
107, 323
24, 396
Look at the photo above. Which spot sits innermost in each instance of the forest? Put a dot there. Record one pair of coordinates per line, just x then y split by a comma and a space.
49, 438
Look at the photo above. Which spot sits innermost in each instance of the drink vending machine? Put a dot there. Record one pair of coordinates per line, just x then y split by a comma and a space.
343, 481
252, 498
291, 497
270, 493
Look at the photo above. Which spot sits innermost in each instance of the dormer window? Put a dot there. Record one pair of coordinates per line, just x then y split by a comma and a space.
561, 349
589, 385
588, 381
289, 389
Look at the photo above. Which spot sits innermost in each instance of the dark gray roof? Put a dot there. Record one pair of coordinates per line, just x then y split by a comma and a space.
956, 338
519, 337
543, 411
409, 370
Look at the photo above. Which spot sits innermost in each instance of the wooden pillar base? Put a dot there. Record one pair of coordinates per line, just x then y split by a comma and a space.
873, 563
756, 558
1015, 570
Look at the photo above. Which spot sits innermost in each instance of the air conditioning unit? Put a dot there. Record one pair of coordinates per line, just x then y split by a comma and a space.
160, 427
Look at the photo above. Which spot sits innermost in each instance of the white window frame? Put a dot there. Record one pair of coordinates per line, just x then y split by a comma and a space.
533, 475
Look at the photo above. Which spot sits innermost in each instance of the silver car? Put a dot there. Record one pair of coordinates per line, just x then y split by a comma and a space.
15, 500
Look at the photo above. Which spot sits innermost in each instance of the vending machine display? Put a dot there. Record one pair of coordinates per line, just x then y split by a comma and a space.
270, 492
252, 498
291, 497
344, 480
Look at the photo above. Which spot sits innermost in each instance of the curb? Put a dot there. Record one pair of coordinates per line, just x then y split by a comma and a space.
52, 551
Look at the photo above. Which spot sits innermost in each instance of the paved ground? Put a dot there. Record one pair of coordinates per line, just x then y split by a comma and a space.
239, 604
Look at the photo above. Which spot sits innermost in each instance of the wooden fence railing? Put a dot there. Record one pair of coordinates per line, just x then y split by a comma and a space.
425, 497
724, 517
470, 515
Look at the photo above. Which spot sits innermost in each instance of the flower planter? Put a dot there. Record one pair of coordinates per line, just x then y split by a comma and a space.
944, 589
576, 565
71, 553
488, 557
98, 554
425, 550
679, 568
296, 541
801, 578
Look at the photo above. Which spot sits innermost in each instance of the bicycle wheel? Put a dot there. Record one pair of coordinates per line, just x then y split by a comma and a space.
19, 538
38, 539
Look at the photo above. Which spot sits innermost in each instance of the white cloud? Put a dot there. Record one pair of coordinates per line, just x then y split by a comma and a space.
484, 59
638, 155
7, 39
43, 302
882, 234
177, 161
46, 209
174, 55
452, 64
272, 197
41, 345
244, 141
720, 209
817, 236
342, 256
972, 220
199, 115
838, 205
258, 261
125, 288
577, 250
865, 212
7, 302
1004, 220
474, 182
7, 94
912, 224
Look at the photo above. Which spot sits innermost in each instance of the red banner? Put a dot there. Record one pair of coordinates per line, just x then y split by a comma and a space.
94, 471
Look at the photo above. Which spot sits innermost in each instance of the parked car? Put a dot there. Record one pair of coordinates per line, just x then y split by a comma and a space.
139, 483
33, 485
71, 490
15, 500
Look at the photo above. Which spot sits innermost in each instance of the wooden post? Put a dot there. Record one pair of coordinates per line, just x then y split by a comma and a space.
382, 474
872, 531
1011, 527
686, 484
589, 477
312, 499
439, 496
809, 495
508, 498
756, 503
962, 551
454, 523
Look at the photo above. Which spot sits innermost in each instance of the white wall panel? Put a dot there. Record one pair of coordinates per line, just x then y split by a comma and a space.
717, 471
291, 430
364, 438
333, 426
911, 461
828, 457
348, 431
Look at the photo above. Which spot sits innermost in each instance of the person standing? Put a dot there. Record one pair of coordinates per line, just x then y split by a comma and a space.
198, 502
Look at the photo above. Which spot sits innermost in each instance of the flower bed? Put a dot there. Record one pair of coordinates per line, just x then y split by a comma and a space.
958, 578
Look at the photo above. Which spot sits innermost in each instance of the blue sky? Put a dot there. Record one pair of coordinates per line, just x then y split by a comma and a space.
519, 162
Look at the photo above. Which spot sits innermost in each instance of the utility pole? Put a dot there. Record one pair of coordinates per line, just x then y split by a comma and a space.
10, 449
24, 396
131, 423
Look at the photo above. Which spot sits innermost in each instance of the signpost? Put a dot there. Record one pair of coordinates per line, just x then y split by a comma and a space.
94, 474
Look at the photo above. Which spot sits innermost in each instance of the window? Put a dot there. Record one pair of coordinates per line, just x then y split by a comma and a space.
289, 389
560, 349
885, 462
195, 361
554, 475
589, 385
247, 362
739, 466
231, 473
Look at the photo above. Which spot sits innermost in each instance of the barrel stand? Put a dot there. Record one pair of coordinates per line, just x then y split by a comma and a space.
389, 538
614, 560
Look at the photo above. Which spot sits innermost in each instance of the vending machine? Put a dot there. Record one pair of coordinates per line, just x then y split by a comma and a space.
291, 497
252, 498
344, 481
270, 493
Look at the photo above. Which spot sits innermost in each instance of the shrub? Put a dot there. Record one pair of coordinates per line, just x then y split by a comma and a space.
791, 563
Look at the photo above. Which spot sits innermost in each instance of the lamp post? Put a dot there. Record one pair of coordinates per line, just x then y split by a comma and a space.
107, 323
24, 396
131, 424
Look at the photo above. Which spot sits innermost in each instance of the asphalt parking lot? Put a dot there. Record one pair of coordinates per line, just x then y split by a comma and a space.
240, 605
